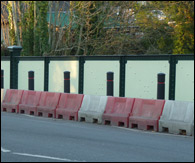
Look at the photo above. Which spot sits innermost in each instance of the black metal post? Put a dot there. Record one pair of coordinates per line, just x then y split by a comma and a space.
172, 76
46, 73
14, 53
66, 81
110, 83
123, 62
81, 74
31, 80
161, 86
2, 79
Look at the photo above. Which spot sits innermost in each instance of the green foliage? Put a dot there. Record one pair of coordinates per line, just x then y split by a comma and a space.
107, 28
174, 32
12, 34
27, 29
183, 15
42, 27
89, 20
157, 37
4, 50
35, 34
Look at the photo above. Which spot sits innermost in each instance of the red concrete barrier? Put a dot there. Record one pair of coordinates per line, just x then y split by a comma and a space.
47, 104
68, 106
12, 100
29, 102
146, 114
117, 111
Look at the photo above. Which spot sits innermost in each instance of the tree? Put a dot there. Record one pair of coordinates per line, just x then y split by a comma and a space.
4, 23
168, 26
12, 33
28, 26
157, 37
41, 27
182, 16
102, 27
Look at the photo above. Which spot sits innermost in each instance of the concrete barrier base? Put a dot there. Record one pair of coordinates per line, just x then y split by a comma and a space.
178, 128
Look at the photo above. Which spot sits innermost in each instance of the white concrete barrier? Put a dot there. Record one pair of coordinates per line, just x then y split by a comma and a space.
177, 118
92, 108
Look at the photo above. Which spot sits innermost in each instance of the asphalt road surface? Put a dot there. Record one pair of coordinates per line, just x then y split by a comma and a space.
35, 139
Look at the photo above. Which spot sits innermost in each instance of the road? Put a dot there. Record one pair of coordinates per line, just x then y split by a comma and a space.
36, 139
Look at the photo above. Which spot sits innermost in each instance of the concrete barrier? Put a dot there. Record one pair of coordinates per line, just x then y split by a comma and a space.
177, 118
47, 104
92, 108
12, 100
68, 106
146, 114
117, 111
29, 102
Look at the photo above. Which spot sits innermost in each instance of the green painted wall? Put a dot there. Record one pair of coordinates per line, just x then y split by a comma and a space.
24, 67
184, 90
56, 75
95, 77
141, 78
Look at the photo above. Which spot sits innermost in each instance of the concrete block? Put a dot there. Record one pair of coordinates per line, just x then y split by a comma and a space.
92, 108
69, 105
12, 100
177, 118
117, 111
145, 114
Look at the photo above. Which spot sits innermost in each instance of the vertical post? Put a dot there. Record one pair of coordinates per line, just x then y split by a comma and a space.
81, 74
31, 80
2, 79
161, 86
14, 53
110, 83
172, 76
46, 73
123, 62
66, 81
